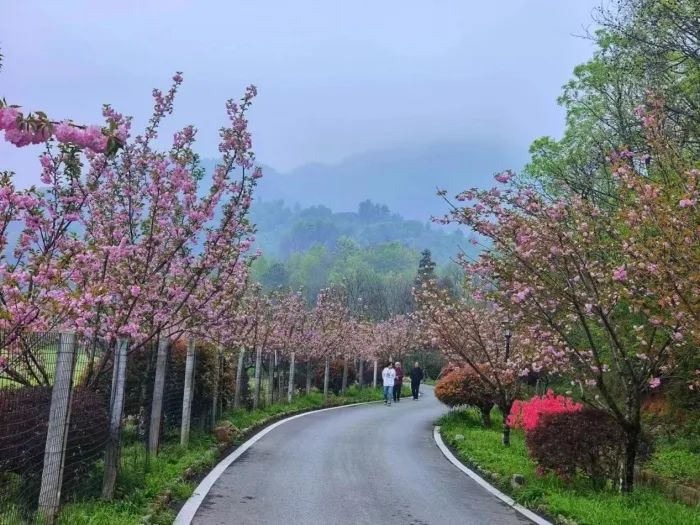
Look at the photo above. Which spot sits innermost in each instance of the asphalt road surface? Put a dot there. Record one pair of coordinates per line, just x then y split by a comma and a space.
369, 464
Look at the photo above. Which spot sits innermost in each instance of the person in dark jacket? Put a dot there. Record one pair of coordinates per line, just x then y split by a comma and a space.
398, 381
416, 378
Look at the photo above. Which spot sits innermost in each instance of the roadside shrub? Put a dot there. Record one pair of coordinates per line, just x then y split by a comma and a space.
24, 418
526, 414
584, 440
463, 386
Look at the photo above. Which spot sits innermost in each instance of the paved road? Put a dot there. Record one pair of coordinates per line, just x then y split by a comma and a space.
369, 464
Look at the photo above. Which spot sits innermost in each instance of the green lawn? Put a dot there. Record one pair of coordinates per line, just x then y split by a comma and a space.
576, 500
145, 498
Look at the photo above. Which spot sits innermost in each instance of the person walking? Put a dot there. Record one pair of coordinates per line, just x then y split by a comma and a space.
388, 378
398, 381
416, 378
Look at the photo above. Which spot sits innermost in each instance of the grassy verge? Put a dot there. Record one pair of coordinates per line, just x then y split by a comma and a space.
677, 464
172, 475
572, 502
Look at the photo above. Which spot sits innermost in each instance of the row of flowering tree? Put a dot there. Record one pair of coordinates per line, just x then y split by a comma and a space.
126, 246
604, 294
280, 329
122, 240
123, 244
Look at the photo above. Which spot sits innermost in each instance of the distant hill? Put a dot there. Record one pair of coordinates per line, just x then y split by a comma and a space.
404, 178
285, 230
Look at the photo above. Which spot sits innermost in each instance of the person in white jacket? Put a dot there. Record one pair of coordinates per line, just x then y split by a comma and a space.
388, 377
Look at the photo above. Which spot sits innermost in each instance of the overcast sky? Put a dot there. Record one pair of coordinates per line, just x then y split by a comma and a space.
334, 77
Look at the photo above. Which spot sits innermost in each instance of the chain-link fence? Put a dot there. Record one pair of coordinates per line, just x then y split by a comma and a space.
79, 419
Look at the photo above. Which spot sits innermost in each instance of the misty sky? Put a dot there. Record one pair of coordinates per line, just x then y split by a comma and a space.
334, 78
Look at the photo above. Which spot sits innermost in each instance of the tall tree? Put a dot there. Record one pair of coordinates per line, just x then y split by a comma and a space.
426, 268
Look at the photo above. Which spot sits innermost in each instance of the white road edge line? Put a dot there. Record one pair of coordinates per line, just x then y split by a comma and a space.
189, 509
481, 481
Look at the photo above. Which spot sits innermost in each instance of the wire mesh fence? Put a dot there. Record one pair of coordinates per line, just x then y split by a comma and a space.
80, 419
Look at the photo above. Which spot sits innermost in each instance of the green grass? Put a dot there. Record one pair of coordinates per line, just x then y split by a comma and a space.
576, 500
678, 465
144, 497
47, 355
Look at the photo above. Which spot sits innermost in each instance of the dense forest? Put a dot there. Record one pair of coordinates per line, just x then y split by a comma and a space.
373, 252
283, 230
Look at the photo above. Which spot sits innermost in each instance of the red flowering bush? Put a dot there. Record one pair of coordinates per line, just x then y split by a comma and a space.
526, 414
463, 386
586, 441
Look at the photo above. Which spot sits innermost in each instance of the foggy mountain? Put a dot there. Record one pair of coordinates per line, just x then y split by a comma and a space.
404, 178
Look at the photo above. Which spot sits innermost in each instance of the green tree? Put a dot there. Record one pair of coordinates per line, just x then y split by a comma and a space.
426, 268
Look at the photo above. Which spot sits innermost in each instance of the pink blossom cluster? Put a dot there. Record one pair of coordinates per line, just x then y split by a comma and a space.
18, 133
153, 255
90, 137
21, 132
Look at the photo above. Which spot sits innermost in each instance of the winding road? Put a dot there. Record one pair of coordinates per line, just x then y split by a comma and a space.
367, 464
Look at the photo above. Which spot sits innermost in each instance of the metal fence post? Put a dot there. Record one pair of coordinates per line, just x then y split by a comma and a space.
116, 411
57, 432
187, 394
374, 375
157, 402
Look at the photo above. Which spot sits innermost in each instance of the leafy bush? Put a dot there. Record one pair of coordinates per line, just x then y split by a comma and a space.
463, 386
584, 440
526, 414
24, 418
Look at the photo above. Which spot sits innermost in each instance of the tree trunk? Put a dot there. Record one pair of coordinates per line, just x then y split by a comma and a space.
258, 373
239, 379
143, 395
116, 412
361, 371
280, 380
505, 410
308, 376
486, 415
629, 461
216, 385
374, 375
271, 381
344, 385
290, 387
157, 401
326, 377
187, 395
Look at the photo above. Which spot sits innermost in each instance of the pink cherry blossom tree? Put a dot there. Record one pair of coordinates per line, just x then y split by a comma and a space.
561, 267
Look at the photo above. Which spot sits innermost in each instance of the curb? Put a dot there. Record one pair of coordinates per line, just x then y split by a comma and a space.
189, 509
483, 483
